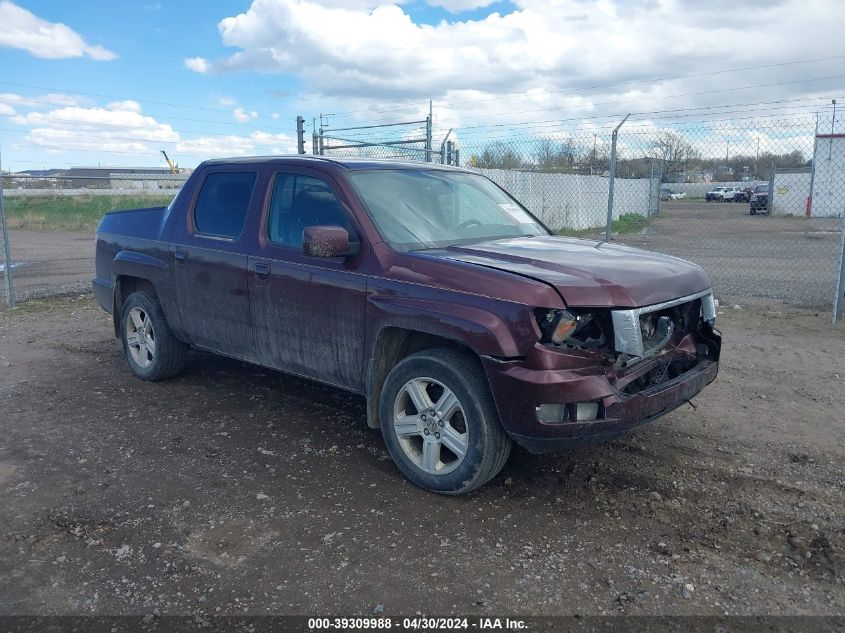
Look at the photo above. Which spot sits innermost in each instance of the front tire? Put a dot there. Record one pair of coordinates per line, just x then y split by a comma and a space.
152, 350
440, 424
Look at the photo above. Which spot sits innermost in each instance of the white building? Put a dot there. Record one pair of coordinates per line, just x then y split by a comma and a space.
829, 182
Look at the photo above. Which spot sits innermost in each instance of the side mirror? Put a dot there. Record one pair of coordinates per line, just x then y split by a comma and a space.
327, 241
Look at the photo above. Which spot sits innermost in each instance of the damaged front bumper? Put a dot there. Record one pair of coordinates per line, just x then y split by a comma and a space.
625, 398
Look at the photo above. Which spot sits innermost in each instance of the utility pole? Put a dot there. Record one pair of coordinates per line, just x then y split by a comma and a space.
607, 232
7, 269
300, 135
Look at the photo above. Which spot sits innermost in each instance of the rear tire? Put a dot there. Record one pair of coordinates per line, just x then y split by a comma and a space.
152, 350
440, 424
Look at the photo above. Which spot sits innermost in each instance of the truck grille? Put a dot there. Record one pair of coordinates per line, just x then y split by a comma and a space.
643, 332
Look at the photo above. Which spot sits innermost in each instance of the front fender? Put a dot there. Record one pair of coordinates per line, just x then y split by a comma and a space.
478, 329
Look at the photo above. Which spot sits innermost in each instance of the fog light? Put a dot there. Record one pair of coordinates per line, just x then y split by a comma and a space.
586, 411
551, 413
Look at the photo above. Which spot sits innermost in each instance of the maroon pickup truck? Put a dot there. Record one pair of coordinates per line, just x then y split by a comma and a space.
465, 323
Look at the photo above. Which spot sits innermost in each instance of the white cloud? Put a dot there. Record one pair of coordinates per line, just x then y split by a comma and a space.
197, 64
39, 100
380, 53
456, 6
227, 101
22, 29
204, 147
120, 126
127, 105
242, 116
275, 115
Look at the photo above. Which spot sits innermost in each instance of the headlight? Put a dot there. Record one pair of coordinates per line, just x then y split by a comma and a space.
566, 327
556, 325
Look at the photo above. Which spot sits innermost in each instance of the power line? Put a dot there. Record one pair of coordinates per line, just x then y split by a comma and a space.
153, 116
107, 96
610, 85
532, 134
65, 123
80, 149
659, 98
644, 113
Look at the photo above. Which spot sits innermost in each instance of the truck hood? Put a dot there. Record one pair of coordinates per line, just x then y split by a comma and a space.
587, 273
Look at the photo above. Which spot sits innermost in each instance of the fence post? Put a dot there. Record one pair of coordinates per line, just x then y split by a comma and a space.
300, 135
443, 146
449, 152
839, 301
428, 134
608, 228
7, 258
457, 157
651, 191
771, 199
813, 172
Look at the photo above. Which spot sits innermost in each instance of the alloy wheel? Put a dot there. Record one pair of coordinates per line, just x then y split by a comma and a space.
429, 423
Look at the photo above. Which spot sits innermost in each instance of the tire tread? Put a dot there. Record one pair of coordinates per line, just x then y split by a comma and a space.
171, 351
499, 443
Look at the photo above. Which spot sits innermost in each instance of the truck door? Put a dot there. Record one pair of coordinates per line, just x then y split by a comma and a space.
210, 262
308, 312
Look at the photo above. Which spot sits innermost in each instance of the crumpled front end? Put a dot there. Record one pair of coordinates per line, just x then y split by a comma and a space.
597, 374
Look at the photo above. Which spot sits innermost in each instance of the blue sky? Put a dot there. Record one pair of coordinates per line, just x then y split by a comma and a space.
100, 82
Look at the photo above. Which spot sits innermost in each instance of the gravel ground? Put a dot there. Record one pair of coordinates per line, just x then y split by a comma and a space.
786, 258
236, 490
50, 263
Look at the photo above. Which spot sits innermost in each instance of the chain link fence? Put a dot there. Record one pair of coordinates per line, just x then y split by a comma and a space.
758, 203
50, 221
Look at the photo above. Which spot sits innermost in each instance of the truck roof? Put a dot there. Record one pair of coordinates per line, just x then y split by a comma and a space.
340, 162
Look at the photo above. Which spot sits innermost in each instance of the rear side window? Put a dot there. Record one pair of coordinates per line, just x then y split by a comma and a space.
223, 203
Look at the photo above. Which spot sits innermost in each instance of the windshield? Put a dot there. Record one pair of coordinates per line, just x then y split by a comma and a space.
416, 209
761, 189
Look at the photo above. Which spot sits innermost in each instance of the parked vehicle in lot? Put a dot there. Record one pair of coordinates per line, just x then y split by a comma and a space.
743, 194
668, 194
465, 323
721, 194
759, 200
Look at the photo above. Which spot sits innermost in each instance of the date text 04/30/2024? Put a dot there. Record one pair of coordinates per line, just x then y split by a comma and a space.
419, 623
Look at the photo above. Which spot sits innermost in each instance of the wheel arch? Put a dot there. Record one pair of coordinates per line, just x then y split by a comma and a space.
125, 285
394, 343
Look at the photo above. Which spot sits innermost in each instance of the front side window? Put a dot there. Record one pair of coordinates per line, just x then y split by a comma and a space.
223, 203
415, 209
299, 202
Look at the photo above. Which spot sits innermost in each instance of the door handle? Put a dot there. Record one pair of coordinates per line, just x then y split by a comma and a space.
262, 271
180, 256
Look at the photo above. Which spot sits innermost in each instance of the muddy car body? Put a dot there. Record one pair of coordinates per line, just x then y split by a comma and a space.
500, 332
